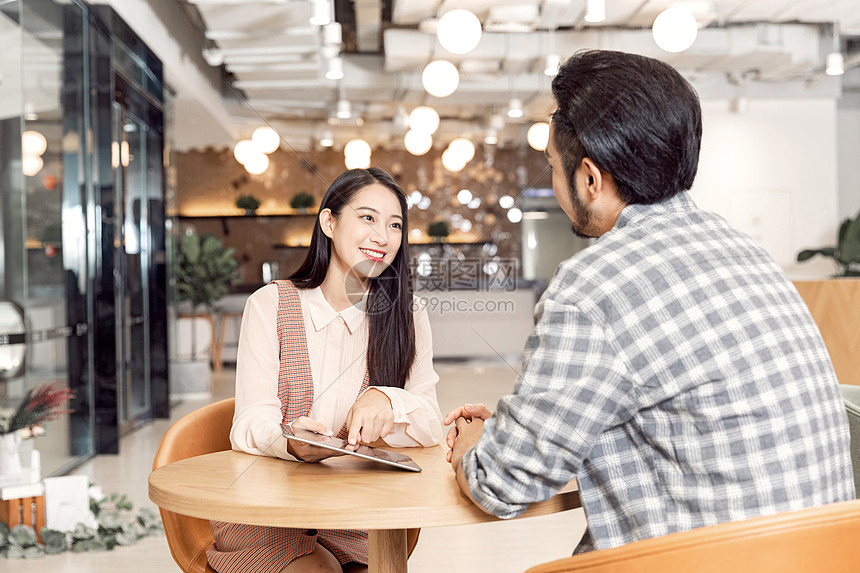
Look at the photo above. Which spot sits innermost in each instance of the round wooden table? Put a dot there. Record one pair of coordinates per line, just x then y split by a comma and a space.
339, 493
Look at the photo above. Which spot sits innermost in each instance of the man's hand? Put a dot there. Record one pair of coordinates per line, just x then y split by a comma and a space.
370, 418
467, 414
307, 452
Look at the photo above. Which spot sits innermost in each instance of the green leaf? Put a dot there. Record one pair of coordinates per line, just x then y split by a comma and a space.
22, 536
34, 552
807, 254
849, 241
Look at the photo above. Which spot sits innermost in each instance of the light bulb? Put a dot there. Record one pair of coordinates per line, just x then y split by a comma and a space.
257, 163
440, 78
675, 30
335, 69
266, 139
550, 65
595, 11
344, 109
506, 201
356, 154
491, 137
327, 140
31, 164
515, 215
835, 64
459, 31
424, 119
321, 13
451, 161
515, 108
33, 143
463, 149
538, 135
417, 142
243, 150
464, 196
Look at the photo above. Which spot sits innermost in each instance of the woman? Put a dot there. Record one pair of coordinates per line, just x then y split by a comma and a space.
337, 350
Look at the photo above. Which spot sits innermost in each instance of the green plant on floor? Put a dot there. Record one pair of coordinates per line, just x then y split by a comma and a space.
302, 201
118, 525
438, 229
248, 202
204, 269
846, 253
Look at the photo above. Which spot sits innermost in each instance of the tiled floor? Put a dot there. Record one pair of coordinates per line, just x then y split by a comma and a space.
502, 547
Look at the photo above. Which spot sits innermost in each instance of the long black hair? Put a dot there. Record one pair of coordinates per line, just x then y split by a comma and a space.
636, 117
391, 340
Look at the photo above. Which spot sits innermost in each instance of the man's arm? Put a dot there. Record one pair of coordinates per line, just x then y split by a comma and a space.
574, 385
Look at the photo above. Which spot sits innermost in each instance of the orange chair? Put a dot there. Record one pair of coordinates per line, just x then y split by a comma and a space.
203, 431
815, 540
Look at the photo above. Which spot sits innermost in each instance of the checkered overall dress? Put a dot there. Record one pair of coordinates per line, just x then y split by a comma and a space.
240, 548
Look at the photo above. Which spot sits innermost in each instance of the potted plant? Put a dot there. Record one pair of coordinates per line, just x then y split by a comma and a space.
204, 270
302, 201
438, 230
248, 202
846, 253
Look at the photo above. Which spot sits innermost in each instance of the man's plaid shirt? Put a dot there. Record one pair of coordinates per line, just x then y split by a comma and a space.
676, 373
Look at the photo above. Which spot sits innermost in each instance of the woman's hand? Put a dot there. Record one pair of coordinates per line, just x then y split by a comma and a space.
370, 418
307, 452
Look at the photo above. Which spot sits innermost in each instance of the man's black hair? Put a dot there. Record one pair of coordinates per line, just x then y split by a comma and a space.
635, 117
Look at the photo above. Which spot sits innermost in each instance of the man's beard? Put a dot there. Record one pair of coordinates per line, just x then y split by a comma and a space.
582, 215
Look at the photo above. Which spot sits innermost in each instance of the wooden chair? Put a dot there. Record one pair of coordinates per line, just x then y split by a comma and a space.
820, 540
203, 431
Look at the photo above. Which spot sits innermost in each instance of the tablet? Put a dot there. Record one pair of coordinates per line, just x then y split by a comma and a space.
401, 461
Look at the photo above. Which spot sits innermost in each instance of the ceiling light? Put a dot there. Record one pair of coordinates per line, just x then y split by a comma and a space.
474, 203
424, 119
538, 135
459, 31
327, 140
321, 15
33, 143
344, 109
31, 164
492, 137
515, 215
356, 154
463, 148
551, 63
417, 142
440, 78
451, 162
595, 11
515, 108
243, 150
257, 163
506, 201
466, 225
266, 139
464, 196
335, 69
835, 64
674, 30
332, 34
213, 56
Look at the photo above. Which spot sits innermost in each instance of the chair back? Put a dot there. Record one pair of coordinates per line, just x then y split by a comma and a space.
202, 431
820, 539
851, 398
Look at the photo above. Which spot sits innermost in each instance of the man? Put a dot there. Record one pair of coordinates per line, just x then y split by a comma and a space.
673, 370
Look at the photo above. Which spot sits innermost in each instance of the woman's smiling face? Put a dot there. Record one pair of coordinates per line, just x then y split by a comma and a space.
367, 233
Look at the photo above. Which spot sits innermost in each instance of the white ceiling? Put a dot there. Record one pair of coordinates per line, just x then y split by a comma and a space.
276, 58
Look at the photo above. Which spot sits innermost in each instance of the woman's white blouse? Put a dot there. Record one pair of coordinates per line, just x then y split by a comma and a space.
337, 346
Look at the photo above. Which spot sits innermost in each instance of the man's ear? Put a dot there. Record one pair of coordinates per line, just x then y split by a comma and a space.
592, 177
327, 222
